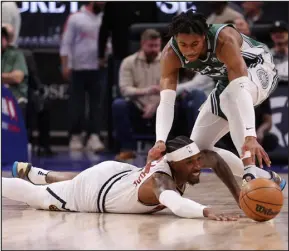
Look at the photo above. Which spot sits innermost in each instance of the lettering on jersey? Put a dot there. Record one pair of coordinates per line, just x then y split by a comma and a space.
145, 171
263, 77
214, 71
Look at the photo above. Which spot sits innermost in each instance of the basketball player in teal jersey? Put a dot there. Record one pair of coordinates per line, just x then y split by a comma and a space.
246, 76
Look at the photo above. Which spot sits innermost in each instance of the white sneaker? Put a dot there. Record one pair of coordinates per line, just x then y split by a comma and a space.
94, 143
75, 142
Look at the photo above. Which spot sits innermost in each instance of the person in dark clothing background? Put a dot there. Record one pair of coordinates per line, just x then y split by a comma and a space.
116, 21
37, 107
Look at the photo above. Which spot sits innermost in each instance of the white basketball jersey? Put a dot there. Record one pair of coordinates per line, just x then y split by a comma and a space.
107, 187
123, 196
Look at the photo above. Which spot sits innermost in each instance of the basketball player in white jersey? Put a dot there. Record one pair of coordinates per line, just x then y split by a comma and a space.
246, 76
116, 187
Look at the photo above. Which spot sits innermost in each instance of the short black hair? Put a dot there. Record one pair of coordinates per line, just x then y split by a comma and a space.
188, 22
177, 143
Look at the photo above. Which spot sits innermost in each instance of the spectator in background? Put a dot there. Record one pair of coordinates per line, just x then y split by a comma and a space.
242, 26
139, 78
11, 15
139, 84
79, 51
14, 71
117, 19
279, 35
221, 13
254, 13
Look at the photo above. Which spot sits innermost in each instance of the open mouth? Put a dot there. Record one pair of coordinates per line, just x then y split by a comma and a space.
196, 174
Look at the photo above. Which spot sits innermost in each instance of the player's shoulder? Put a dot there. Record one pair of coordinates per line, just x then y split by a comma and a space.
225, 31
159, 166
169, 56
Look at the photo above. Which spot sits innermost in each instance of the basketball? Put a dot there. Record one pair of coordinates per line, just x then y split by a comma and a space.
261, 199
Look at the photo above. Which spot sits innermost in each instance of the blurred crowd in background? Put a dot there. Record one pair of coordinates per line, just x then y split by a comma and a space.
92, 76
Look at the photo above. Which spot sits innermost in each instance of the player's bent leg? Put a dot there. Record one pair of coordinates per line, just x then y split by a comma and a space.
234, 106
208, 130
39, 176
23, 191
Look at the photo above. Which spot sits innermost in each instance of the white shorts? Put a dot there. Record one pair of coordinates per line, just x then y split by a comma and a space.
82, 193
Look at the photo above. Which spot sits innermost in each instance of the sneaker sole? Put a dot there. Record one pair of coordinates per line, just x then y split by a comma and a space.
283, 184
21, 174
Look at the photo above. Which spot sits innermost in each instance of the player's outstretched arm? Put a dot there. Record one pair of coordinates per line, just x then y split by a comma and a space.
170, 65
223, 171
165, 190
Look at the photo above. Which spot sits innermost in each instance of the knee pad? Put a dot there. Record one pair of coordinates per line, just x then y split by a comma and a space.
235, 92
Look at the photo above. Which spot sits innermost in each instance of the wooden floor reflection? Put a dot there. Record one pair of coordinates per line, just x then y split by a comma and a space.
26, 228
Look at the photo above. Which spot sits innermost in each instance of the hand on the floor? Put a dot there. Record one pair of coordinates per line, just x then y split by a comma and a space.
251, 144
209, 213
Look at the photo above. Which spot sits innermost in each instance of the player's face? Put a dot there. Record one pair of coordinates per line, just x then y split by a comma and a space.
191, 45
192, 167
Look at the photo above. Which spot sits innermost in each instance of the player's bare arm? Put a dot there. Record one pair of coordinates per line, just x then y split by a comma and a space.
228, 51
223, 171
170, 65
166, 191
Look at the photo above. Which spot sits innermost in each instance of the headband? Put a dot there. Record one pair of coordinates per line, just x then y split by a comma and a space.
183, 153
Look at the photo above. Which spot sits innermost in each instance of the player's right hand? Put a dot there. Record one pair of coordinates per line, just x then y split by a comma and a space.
157, 150
251, 144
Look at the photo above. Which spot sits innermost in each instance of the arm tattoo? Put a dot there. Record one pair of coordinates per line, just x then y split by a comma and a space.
162, 182
222, 170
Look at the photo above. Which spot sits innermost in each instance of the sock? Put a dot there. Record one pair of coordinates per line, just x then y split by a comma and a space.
250, 171
37, 176
263, 174
23, 191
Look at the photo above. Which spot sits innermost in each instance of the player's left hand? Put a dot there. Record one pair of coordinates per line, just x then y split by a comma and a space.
251, 144
209, 213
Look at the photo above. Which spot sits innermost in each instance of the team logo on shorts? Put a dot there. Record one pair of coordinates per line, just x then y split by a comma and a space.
263, 77
53, 208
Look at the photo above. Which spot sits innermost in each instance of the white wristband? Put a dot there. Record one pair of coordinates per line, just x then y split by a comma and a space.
181, 207
165, 114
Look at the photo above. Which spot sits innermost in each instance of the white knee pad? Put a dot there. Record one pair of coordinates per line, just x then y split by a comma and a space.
238, 91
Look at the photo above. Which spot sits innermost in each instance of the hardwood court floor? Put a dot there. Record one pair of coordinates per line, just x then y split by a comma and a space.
27, 229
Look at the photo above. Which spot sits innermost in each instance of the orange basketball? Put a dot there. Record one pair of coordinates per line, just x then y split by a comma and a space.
261, 199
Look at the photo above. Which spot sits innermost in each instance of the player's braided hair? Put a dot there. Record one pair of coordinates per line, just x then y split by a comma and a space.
188, 22
177, 143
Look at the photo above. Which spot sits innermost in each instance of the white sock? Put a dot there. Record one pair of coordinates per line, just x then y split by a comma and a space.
23, 191
37, 176
251, 169
257, 172
263, 174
